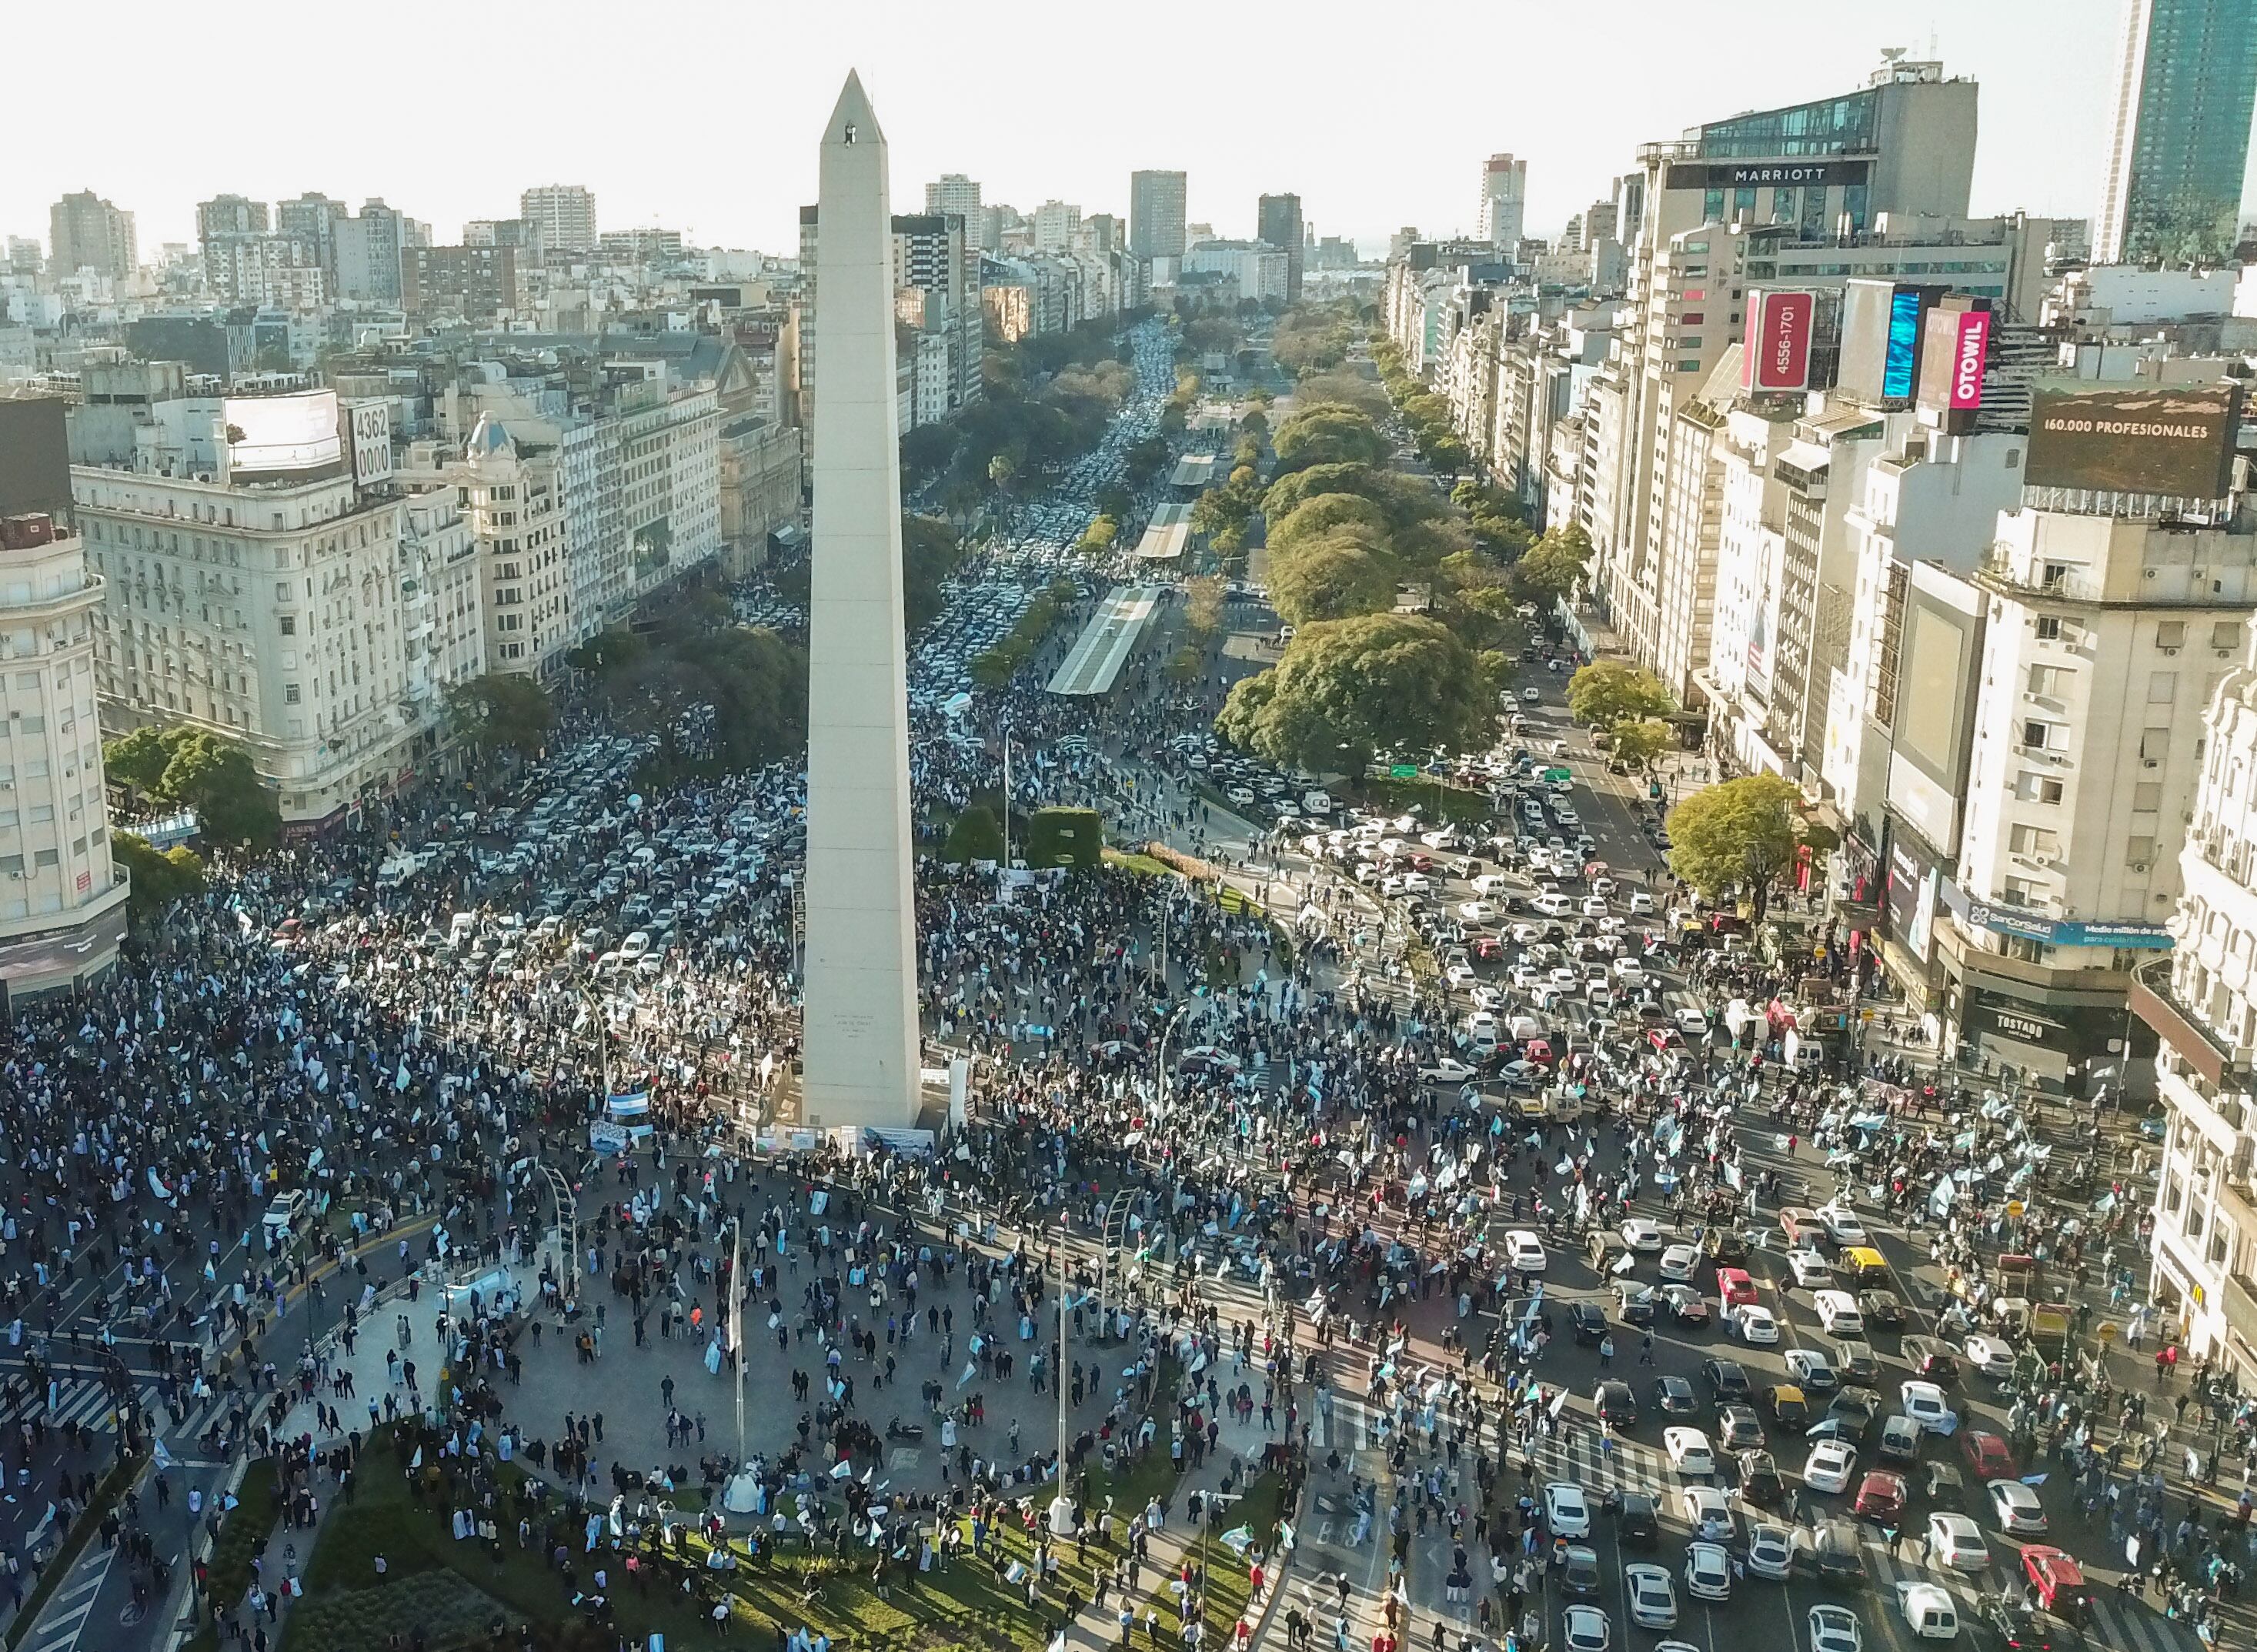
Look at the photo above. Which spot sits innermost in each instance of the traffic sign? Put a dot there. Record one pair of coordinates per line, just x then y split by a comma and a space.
1403, 772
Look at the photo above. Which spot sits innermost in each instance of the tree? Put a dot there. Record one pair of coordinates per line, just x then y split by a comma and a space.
499, 712
1736, 838
1061, 836
137, 760
1098, 538
1325, 514
1334, 576
1348, 688
1188, 664
1255, 424
1554, 565
976, 836
216, 778
1639, 741
930, 549
1403, 500
159, 878
1607, 692
1327, 433
1203, 607
1346, 385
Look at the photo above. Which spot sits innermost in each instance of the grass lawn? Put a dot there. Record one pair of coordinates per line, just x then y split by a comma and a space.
1432, 799
1142, 864
458, 1594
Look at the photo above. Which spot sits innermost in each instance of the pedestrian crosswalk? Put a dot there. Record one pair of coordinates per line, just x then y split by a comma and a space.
87, 1400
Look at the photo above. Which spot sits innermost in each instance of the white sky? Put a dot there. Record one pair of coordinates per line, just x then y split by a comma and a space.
703, 115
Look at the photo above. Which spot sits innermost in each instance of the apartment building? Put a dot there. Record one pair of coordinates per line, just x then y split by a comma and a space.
85, 232
1157, 211
559, 217
62, 902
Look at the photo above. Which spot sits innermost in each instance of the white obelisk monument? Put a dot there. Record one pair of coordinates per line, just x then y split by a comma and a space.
862, 1043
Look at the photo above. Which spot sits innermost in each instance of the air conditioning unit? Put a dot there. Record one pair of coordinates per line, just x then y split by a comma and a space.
2151, 763
2137, 866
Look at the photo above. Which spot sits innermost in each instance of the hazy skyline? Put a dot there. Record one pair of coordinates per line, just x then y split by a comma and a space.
453, 112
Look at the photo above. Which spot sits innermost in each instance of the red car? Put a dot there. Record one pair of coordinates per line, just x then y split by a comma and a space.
1881, 1496
1488, 946
2057, 1580
1735, 1286
1987, 1455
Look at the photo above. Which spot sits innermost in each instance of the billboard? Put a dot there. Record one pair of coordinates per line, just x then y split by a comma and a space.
1954, 346
1881, 338
1778, 353
371, 428
1767, 175
1901, 356
2174, 441
51, 952
269, 434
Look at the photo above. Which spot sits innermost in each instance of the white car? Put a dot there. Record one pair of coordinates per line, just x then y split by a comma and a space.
1523, 1250
1708, 1572
1551, 905
1689, 1451
1640, 1234
1681, 1262
1958, 1542
1925, 1404
1771, 1551
1829, 1465
1810, 1371
1993, 1356
1809, 1268
1584, 1626
1476, 911
1459, 975
1707, 1511
1928, 1611
1567, 1511
1838, 1312
1842, 1226
1834, 1630
1691, 1022
1448, 1070
2018, 1508
1529, 696
1753, 1322
1652, 1597
1594, 906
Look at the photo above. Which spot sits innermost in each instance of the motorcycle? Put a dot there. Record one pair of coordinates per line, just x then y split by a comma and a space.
908, 1433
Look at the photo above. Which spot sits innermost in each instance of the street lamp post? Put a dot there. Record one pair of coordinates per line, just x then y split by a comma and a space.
1061, 1503
1007, 800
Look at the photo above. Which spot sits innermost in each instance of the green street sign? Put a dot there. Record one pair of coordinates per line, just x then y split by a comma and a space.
1558, 774
1404, 772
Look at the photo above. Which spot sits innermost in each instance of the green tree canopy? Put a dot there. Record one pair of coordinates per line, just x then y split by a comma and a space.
1334, 576
159, 878
1328, 432
497, 712
1311, 338
189, 769
1323, 515
1401, 499
1552, 567
1348, 688
1736, 838
1606, 692
1639, 741
976, 836
1345, 385
137, 760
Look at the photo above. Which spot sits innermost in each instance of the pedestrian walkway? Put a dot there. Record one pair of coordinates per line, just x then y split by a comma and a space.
88, 1400
64, 1618
2125, 1625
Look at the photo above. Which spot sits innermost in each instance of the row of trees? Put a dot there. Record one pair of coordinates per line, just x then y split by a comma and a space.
184, 767
654, 681
1312, 337
1427, 414
998, 665
1627, 702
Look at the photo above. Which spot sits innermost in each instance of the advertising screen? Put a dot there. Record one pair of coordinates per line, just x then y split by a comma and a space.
1900, 358
282, 432
1954, 346
1778, 356
2175, 441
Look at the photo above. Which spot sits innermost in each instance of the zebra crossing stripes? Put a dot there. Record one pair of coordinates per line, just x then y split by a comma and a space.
1601, 1461
84, 1400
2120, 1625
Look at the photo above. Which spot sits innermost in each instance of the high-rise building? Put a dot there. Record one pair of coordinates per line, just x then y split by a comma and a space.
313, 219
2186, 86
62, 904
1503, 201
86, 232
559, 217
1056, 223
937, 280
1157, 205
1278, 222
370, 250
955, 192
474, 283
224, 215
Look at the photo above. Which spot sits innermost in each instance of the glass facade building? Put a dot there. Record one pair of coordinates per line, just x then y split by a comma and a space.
2186, 85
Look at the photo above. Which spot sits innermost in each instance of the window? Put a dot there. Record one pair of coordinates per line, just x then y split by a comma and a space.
2039, 842
289, 693
2147, 797
2034, 732
2138, 851
2226, 633
2019, 892
2049, 628
2048, 681
2170, 633
289, 623
2162, 687
2154, 745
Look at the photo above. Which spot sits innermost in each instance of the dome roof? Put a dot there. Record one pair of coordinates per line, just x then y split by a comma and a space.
489, 437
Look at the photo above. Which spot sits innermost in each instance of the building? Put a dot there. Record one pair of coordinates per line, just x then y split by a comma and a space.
1259, 270
371, 250
2186, 83
62, 902
34, 456
1056, 224
937, 280
225, 216
85, 232
2200, 1004
313, 219
1732, 195
443, 608
761, 482
1158, 207
512, 496
559, 217
468, 284
957, 193
1278, 222
1503, 218
280, 272
252, 588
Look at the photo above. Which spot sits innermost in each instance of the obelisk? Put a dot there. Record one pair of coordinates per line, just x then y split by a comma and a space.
862, 1045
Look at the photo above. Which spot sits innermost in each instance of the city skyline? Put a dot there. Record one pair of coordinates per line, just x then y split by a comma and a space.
1405, 163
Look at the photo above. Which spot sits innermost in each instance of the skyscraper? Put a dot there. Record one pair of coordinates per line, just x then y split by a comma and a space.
1503, 201
956, 192
87, 233
229, 216
2186, 84
560, 216
1278, 222
1156, 213
1054, 223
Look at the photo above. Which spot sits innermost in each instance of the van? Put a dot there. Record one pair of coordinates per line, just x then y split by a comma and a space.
459, 931
282, 1213
1862, 1265
1317, 800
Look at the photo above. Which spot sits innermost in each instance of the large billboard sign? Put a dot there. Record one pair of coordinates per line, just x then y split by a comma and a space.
371, 423
1953, 351
1881, 338
269, 434
1777, 356
1767, 175
2173, 441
